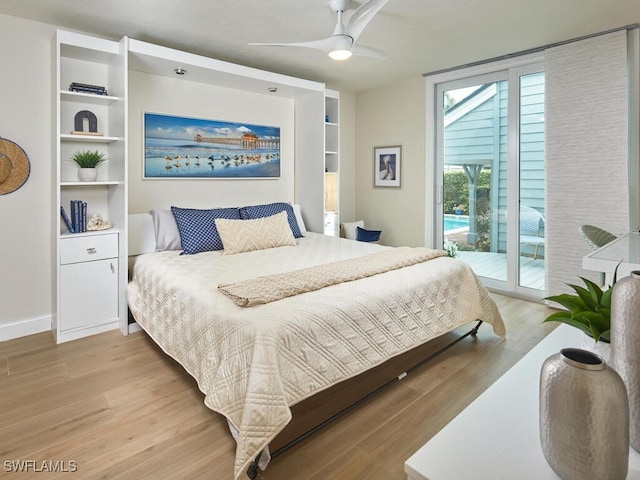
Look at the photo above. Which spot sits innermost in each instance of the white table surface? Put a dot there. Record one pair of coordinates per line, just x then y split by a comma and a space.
497, 437
625, 249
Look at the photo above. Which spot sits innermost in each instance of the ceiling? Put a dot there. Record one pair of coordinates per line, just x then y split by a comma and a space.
418, 36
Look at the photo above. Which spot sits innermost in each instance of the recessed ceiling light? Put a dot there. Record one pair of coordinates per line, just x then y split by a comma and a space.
180, 71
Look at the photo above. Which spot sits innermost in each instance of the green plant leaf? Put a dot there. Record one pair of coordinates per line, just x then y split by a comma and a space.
88, 158
597, 322
606, 298
586, 296
562, 317
570, 302
594, 289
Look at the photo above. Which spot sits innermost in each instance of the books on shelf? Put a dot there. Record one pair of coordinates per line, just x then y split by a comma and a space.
66, 220
76, 221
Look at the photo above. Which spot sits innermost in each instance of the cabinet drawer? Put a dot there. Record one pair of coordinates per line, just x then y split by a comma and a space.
89, 248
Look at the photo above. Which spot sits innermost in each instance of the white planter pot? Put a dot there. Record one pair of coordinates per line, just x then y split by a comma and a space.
601, 348
87, 174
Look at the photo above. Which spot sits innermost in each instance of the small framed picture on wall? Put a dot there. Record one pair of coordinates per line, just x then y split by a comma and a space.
387, 166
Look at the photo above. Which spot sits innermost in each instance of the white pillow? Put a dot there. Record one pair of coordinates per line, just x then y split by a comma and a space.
350, 229
298, 212
255, 234
166, 230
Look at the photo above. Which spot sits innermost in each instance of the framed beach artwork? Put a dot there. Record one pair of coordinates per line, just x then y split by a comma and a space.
177, 147
387, 163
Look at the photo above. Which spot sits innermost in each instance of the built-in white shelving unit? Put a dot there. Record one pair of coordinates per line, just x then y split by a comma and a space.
91, 267
332, 163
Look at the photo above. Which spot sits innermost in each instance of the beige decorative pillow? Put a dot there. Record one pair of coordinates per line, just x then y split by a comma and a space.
257, 234
350, 229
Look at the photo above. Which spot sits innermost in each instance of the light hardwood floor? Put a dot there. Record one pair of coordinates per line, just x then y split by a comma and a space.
121, 409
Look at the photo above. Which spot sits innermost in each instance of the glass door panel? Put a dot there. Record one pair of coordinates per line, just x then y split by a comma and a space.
474, 172
490, 151
531, 181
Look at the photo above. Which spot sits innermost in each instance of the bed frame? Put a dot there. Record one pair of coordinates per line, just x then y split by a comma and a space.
318, 411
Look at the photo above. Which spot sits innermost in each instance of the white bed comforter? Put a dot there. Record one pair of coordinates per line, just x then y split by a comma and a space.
253, 363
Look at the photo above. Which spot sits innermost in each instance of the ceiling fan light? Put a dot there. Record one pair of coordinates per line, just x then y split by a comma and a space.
340, 54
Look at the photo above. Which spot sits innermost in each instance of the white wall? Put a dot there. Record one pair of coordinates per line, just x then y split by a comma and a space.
385, 116
178, 96
26, 86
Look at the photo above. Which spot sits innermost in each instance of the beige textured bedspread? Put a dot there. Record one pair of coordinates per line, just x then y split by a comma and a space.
253, 363
269, 288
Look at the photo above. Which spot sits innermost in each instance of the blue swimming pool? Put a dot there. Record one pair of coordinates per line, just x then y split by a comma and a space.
455, 222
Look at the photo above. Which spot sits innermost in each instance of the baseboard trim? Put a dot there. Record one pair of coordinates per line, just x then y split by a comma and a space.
22, 328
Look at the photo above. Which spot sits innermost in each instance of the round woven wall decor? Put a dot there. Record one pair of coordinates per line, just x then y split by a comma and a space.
14, 166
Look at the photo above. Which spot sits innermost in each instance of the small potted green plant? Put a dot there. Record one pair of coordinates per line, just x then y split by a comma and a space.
589, 309
88, 161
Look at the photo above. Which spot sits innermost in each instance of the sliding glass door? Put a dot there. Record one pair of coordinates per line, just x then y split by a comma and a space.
490, 161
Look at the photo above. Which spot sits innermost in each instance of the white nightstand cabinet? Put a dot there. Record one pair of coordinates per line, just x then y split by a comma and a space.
89, 275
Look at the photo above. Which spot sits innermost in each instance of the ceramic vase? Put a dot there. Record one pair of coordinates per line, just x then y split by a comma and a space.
625, 345
88, 174
584, 417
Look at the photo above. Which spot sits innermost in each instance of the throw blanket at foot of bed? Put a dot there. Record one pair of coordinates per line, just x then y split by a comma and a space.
270, 288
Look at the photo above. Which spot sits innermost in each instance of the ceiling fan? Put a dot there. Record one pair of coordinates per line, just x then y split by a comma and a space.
342, 44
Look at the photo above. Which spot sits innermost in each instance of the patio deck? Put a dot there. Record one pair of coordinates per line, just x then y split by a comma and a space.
494, 265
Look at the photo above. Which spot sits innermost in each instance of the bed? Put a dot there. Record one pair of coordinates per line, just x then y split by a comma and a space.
254, 364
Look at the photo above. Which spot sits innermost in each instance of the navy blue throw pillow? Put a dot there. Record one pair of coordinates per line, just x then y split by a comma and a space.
363, 235
252, 212
197, 228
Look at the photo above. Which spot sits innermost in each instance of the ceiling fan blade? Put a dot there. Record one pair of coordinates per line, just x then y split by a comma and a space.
362, 50
324, 44
362, 16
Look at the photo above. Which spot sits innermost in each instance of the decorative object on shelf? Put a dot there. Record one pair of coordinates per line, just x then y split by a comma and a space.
625, 346
14, 166
386, 166
86, 88
97, 223
88, 161
92, 122
234, 150
451, 248
589, 310
584, 417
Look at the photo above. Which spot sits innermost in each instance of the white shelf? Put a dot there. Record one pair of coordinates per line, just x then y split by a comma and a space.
89, 98
91, 184
68, 137
90, 233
